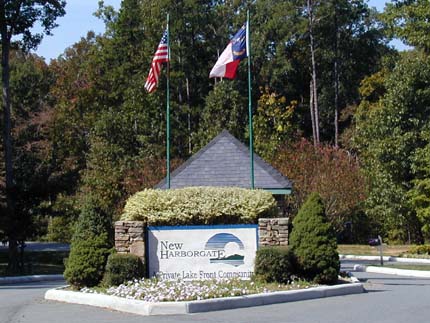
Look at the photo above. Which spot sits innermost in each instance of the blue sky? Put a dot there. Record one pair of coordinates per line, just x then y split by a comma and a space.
79, 20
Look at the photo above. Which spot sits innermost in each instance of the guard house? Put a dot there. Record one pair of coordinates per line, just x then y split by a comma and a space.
225, 162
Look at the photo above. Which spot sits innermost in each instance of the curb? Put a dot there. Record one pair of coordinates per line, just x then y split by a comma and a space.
170, 308
353, 278
386, 258
393, 271
29, 279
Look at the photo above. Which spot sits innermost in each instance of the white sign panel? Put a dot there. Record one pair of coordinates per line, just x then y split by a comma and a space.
202, 252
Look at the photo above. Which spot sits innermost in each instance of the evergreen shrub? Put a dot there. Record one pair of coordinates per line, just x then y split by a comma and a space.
87, 260
274, 264
121, 268
199, 205
90, 247
313, 243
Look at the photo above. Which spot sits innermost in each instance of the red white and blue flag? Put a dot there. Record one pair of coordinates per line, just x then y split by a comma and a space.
236, 50
161, 56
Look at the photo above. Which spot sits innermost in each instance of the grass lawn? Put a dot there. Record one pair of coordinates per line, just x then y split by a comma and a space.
408, 266
388, 250
37, 262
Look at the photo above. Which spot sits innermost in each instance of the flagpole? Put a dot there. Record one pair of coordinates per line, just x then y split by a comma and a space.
168, 107
251, 139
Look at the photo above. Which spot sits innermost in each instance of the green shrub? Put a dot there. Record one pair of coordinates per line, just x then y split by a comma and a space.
314, 243
199, 205
90, 247
420, 250
274, 264
121, 268
86, 263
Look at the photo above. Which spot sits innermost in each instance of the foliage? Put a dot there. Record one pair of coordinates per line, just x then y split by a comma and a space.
199, 205
274, 264
313, 243
334, 173
347, 34
60, 229
92, 221
420, 250
84, 125
408, 21
86, 263
273, 123
146, 173
390, 137
419, 194
121, 268
30, 80
90, 246
225, 108
18, 18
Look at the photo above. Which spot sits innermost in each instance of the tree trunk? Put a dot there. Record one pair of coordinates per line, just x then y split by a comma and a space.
7, 146
189, 117
314, 71
336, 78
311, 108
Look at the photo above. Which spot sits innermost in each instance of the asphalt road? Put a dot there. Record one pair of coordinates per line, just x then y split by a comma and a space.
389, 299
41, 246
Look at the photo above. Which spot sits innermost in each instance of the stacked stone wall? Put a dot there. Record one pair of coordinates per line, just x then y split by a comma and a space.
273, 231
130, 237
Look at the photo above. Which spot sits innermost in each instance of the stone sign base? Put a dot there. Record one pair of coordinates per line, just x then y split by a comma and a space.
130, 235
130, 238
273, 231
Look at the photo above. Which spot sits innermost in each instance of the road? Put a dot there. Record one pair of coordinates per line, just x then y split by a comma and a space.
389, 299
41, 246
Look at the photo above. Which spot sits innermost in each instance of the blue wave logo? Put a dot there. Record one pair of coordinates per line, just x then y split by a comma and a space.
231, 247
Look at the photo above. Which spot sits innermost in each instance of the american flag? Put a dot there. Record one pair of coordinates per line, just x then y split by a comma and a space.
161, 56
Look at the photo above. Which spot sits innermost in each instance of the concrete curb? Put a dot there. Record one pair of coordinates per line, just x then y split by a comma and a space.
353, 278
386, 258
393, 271
29, 279
169, 308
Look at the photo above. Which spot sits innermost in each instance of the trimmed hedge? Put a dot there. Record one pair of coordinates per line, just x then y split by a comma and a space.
314, 243
199, 205
121, 268
274, 264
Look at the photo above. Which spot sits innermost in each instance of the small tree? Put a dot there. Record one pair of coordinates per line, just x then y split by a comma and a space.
333, 173
314, 244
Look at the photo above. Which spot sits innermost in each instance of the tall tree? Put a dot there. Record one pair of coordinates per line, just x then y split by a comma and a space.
314, 86
351, 45
391, 137
18, 17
